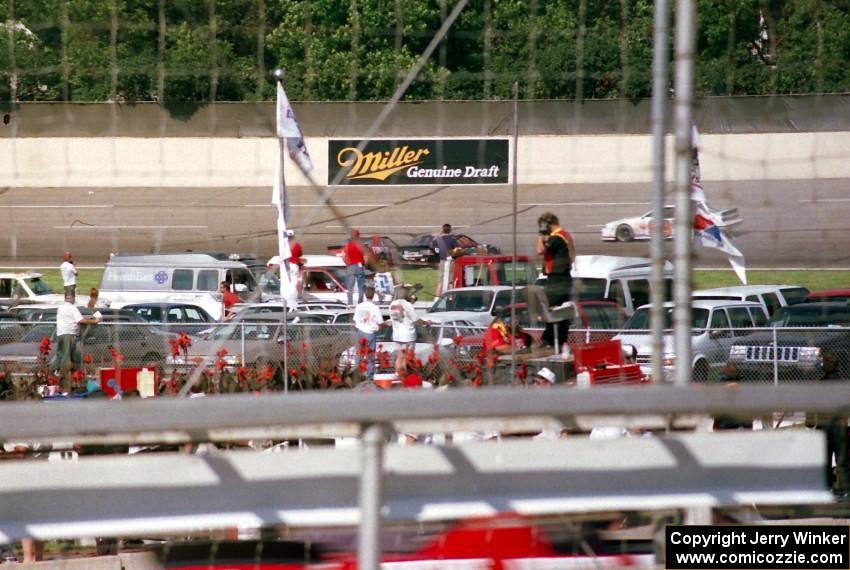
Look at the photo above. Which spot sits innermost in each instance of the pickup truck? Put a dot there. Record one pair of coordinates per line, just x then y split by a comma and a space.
26, 287
477, 270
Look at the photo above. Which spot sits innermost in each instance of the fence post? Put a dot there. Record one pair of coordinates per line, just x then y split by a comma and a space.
371, 495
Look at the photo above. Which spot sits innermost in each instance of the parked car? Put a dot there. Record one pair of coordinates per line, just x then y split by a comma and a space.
715, 326
771, 297
173, 317
421, 250
821, 352
257, 341
839, 295
246, 309
136, 341
11, 327
477, 305
441, 338
640, 227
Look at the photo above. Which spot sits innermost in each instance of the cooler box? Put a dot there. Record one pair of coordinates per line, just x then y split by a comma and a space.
145, 380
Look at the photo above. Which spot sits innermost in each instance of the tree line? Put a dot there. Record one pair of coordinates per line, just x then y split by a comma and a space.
346, 50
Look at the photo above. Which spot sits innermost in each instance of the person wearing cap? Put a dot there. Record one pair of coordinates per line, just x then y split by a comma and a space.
352, 255
544, 378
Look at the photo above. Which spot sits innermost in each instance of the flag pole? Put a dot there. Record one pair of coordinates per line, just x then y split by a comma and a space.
279, 198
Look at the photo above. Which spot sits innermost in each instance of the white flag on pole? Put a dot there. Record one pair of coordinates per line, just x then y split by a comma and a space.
707, 223
288, 129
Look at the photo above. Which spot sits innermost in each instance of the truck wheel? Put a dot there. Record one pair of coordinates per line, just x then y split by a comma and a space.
625, 233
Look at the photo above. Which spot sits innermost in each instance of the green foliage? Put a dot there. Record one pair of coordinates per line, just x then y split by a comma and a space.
202, 50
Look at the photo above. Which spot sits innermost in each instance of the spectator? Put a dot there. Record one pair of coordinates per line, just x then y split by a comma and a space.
68, 321
367, 320
228, 298
444, 243
556, 247
69, 273
94, 301
296, 263
404, 320
497, 341
352, 255
544, 378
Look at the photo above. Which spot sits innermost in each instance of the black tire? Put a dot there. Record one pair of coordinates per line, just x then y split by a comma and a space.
701, 371
624, 233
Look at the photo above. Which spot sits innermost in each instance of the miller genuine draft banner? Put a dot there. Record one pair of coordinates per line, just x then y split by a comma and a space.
419, 161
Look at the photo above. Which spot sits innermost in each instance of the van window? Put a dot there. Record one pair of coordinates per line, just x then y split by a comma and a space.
208, 280
750, 298
720, 321
794, 295
181, 279
771, 301
639, 292
5, 287
241, 277
616, 294
740, 319
759, 318
589, 289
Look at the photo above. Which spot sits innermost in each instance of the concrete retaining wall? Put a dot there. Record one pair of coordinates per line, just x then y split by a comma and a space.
250, 161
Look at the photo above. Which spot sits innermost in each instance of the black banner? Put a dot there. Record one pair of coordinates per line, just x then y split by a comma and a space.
803, 547
419, 161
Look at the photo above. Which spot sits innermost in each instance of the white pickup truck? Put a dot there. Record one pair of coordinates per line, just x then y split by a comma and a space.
26, 287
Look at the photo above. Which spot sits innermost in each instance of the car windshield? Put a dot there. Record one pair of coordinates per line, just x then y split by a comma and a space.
795, 295
474, 300
810, 315
639, 322
423, 240
38, 286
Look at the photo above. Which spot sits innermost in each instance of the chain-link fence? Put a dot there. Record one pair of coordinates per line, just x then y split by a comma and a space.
273, 356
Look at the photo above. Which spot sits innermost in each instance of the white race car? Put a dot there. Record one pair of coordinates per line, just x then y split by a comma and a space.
640, 227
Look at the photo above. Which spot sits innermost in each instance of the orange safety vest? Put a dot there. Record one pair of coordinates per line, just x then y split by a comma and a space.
548, 260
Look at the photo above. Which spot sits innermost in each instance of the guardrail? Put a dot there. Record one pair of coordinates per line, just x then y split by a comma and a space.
164, 493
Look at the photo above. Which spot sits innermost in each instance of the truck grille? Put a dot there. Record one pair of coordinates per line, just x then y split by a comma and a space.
767, 353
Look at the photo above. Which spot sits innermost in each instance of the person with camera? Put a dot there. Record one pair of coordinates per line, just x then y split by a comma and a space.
556, 247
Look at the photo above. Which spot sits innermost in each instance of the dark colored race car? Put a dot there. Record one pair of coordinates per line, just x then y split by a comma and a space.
812, 342
421, 250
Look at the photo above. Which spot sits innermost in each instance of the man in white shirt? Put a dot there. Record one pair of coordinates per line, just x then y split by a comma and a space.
367, 320
69, 273
404, 320
68, 321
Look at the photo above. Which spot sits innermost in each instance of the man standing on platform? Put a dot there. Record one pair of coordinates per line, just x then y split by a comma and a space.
556, 247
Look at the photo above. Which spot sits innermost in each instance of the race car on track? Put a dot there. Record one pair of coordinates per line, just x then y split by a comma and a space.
640, 227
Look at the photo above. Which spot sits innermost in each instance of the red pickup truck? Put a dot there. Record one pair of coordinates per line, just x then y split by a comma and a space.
474, 270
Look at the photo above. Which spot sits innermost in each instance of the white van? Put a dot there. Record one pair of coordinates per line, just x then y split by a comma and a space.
771, 297
174, 278
626, 280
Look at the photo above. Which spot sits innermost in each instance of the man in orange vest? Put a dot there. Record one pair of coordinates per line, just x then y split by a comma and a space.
556, 247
